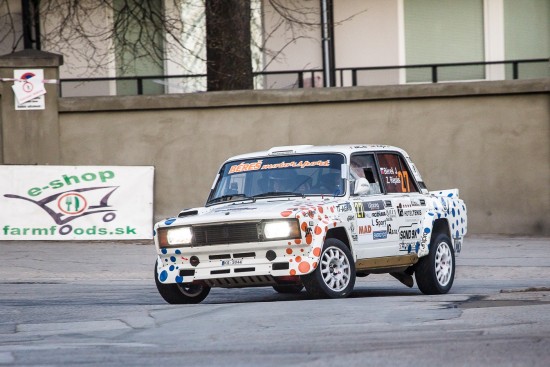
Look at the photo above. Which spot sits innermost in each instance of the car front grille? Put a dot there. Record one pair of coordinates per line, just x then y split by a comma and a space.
225, 233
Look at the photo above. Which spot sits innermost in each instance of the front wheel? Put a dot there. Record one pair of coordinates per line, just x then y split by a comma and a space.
435, 272
335, 274
181, 293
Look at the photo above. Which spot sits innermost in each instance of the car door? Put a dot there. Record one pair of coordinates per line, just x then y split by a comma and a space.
368, 224
405, 205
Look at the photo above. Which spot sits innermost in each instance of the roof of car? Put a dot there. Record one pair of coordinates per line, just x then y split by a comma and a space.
346, 149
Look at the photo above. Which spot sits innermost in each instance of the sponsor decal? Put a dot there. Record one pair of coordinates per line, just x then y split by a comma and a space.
403, 212
259, 165
391, 231
245, 167
379, 222
379, 235
344, 208
365, 229
424, 238
300, 164
407, 237
378, 214
415, 202
407, 234
390, 214
350, 218
374, 205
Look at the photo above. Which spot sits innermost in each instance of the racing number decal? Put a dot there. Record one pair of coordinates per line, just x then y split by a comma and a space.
404, 178
359, 209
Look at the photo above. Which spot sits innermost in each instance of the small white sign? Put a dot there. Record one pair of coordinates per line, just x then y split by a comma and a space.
29, 89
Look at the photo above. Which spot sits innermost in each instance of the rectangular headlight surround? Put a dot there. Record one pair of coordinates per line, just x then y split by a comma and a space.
175, 236
279, 229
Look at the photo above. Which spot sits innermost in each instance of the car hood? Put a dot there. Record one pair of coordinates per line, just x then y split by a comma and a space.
271, 208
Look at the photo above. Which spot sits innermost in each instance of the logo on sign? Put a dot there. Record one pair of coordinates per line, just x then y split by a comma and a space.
72, 203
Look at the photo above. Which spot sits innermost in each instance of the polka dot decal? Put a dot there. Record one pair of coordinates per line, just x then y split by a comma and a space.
304, 267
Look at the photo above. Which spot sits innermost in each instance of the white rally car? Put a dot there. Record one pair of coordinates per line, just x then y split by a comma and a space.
314, 217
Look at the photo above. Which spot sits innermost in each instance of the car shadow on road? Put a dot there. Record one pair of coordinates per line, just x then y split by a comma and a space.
266, 294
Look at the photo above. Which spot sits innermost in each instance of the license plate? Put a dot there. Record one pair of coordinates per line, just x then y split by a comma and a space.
231, 262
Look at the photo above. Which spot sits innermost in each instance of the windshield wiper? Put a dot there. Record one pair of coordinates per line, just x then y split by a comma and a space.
278, 193
229, 197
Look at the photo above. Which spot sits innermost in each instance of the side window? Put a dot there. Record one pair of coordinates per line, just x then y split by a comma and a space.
395, 174
363, 165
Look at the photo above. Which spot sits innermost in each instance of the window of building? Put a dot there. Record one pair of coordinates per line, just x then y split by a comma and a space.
527, 36
444, 31
139, 49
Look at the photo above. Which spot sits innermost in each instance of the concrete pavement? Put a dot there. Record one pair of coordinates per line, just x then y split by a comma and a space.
65, 304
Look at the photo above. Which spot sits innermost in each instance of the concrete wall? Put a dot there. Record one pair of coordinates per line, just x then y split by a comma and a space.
489, 139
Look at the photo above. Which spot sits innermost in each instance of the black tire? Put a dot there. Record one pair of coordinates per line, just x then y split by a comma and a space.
181, 293
335, 274
289, 289
435, 272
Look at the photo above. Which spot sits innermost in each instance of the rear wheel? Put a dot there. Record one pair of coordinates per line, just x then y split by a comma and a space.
435, 272
181, 293
335, 275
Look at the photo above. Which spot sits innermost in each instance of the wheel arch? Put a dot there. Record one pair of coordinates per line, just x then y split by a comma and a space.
339, 233
441, 225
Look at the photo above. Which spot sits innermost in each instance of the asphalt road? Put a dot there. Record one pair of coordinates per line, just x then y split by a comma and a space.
91, 304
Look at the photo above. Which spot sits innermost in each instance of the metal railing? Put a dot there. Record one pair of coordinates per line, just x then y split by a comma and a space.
435, 67
309, 77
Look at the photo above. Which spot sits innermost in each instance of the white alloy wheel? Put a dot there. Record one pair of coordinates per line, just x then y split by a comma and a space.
443, 264
335, 275
335, 269
435, 272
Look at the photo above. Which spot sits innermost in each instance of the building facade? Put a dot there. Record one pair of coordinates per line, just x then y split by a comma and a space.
338, 41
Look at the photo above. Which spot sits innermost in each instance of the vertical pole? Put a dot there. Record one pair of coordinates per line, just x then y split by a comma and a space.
139, 86
27, 24
332, 53
434, 74
326, 40
36, 21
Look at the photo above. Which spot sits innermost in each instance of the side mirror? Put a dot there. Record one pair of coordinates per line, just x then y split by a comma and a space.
362, 186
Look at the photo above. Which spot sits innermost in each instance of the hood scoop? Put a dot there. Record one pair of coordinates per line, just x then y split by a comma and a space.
187, 213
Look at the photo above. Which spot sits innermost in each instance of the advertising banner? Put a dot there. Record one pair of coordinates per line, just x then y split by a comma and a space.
76, 202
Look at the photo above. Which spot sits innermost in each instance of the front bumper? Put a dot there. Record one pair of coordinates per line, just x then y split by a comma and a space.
258, 259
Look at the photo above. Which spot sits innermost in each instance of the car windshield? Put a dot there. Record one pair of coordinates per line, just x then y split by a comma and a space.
289, 175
